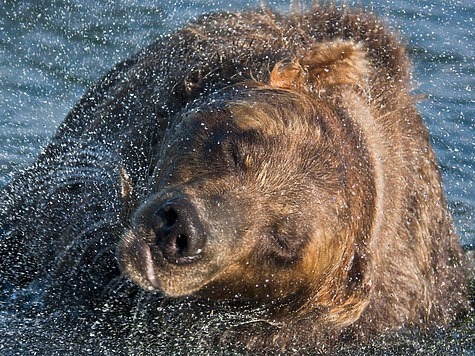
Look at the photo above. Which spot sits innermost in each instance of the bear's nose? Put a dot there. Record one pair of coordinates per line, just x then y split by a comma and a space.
180, 234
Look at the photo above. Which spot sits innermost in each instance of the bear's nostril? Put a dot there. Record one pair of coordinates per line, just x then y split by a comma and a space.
181, 244
168, 215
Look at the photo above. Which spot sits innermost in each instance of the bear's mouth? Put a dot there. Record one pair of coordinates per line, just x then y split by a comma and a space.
147, 266
136, 261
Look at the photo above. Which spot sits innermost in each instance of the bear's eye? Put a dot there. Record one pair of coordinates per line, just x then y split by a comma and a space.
240, 156
246, 149
287, 237
234, 154
281, 248
221, 152
226, 149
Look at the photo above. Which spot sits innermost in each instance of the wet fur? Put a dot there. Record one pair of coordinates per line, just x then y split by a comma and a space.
388, 255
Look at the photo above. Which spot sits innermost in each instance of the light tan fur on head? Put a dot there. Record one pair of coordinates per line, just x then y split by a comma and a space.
324, 65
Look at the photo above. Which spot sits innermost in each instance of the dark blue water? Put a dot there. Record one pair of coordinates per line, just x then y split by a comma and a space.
52, 50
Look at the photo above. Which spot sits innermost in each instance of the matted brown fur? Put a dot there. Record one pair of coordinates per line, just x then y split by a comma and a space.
295, 150
338, 201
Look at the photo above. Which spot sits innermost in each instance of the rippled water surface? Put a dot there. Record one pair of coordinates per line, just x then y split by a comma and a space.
51, 51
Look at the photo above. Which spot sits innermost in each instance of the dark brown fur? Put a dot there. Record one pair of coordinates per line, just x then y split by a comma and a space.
293, 143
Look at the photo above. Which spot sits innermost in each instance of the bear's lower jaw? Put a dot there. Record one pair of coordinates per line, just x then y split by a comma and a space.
146, 267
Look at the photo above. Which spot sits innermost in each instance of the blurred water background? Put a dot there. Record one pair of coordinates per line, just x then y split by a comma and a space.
52, 50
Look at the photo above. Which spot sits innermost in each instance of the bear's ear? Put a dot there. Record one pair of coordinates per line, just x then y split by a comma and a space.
324, 65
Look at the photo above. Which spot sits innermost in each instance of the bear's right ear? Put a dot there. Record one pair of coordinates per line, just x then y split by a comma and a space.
324, 65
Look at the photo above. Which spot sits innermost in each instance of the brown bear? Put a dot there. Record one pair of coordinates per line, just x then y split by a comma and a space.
310, 188
250, 162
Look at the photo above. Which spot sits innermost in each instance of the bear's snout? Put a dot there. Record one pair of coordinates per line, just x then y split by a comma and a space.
180, 233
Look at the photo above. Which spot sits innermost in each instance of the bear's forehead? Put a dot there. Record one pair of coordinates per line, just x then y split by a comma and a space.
266, 112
